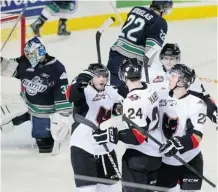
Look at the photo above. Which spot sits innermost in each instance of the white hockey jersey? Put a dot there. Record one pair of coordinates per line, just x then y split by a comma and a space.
158, 79
178, 117
141, 106
98, 109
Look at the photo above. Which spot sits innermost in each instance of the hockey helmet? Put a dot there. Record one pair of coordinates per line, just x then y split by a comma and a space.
170, 55
187, 75
164, 7
98, 69
34, 50
130, 69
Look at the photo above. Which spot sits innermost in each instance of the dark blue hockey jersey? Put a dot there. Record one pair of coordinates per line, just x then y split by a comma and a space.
44, 86
143, 28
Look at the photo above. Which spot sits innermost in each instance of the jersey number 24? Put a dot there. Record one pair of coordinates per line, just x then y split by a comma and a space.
132, 26
132, 114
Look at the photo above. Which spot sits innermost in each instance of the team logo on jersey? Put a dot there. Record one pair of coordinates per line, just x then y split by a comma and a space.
158, 79
99, 97
34, 86
169, 126
134, 97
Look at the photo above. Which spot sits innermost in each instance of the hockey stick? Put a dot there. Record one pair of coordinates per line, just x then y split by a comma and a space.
145, 63
104, 26
80, 119
116, 12
18, 19
127, 120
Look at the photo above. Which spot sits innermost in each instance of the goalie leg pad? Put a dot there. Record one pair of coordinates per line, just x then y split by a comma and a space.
41, 127
45, 145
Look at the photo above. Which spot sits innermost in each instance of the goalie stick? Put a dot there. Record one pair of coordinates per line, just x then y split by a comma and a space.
104, 26
127, 120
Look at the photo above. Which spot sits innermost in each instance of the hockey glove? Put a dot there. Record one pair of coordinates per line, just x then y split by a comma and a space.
60, 127
84, 78
109, 135
171, 147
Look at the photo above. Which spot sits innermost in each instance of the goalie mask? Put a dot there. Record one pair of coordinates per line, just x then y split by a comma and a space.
101, 74
130, 69
34, 51
170, 55
180, 76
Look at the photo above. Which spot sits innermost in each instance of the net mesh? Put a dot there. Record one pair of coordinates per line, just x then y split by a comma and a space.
10, 87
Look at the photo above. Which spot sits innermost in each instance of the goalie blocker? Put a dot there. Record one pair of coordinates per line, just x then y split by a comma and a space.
44, 82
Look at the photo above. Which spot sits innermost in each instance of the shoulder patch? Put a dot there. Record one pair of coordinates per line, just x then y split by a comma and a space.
158, 79
134, 97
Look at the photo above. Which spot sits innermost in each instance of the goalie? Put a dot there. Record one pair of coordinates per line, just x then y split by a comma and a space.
43, 85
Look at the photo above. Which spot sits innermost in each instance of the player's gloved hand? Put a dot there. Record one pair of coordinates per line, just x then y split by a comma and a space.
60, 127
84, 78
109, 135
171, 147
211, 110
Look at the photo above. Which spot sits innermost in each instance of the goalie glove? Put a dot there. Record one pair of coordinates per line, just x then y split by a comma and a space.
60, 127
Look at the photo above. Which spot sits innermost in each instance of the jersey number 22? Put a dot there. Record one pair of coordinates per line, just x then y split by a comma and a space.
132, 26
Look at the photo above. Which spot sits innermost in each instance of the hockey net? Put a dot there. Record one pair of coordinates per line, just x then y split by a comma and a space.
10, 87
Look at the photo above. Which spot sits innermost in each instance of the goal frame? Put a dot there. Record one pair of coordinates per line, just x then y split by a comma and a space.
5, 18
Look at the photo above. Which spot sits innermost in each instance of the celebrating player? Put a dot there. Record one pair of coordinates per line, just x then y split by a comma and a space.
141, 159
44, 82
96, 102
142, 35
183, 116
169, 56
61, 8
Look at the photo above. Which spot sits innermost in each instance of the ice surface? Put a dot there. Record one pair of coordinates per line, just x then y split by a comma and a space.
24, 170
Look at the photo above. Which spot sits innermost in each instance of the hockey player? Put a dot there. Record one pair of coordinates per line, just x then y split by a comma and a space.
182, 117
141, 159
142, 35
61, 8
44, 82
96, 102
169, 56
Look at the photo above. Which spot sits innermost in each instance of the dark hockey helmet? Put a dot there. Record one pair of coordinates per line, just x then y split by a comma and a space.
164, 7
170, 55
187, 75
98, 69
170, 49
130, 69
